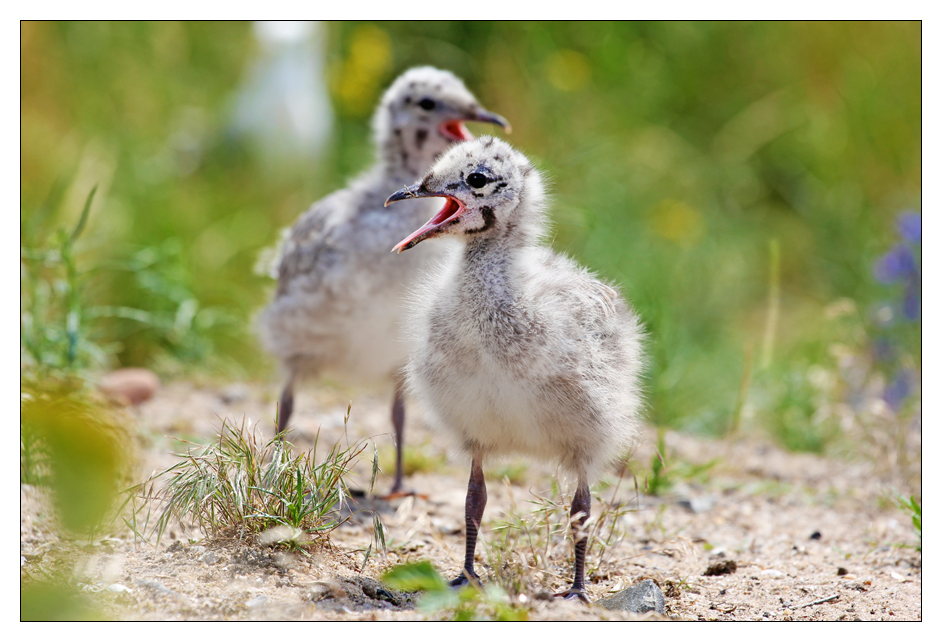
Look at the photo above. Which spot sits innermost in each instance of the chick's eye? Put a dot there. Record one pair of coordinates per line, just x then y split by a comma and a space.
427, 104
477, 180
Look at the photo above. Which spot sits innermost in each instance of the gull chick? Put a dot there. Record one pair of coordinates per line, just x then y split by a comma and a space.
516, 349
338, 305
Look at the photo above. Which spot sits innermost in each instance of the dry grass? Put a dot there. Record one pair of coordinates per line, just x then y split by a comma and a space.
240, 485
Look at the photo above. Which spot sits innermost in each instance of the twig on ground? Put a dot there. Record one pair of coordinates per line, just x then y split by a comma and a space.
821, 601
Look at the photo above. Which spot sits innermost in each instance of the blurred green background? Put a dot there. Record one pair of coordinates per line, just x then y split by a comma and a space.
739, 181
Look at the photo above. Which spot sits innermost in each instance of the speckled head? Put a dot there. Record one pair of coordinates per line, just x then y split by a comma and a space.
423, 113
484, 182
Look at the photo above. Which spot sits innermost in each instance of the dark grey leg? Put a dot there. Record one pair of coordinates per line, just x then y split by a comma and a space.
473, 511
581, 503
399, 420
286, 405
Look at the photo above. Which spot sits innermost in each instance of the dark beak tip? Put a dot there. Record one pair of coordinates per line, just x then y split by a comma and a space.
401, 195
484, 116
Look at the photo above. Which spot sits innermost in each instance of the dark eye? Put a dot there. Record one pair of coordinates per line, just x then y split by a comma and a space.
427, 104
477, 181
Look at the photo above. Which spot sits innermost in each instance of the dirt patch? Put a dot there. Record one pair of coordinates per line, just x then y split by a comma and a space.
799, 537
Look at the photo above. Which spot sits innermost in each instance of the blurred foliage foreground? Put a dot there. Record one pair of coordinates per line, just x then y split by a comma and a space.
753, 187
79, 449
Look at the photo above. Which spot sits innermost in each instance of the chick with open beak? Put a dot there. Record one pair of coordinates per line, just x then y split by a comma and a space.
516, 349
473, 189
339, 303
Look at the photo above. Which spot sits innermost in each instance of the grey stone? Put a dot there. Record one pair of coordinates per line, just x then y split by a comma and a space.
700, 504
209, 558
234, 393
640, 598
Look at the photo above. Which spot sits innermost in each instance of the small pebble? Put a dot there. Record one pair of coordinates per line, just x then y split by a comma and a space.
841, 570
815, 535
119, 588
701, 504
256, 601
234, 393
771, 572
324, 589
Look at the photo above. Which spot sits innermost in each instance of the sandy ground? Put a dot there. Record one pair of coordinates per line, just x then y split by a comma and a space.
811, 538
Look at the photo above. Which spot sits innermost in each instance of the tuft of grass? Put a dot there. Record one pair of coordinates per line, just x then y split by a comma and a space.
791, 409
55, 334
240, 485
528, 551
68, 327
913, 509
466, 604
533, 546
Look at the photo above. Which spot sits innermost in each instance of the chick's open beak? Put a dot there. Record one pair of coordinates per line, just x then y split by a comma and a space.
452, 210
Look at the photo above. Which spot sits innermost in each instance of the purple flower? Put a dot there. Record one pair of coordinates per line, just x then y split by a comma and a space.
900, 388
896, 265
912, 302
909, 225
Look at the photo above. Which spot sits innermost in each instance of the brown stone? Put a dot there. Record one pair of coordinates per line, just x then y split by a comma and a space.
130, 386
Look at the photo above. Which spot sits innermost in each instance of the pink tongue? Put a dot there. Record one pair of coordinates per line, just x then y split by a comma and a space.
451, 206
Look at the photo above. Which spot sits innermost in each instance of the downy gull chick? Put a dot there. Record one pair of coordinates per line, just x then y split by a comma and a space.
338, 305
516, 349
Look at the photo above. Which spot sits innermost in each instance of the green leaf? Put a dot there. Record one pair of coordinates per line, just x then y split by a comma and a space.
439, 600
417, 576
83, 219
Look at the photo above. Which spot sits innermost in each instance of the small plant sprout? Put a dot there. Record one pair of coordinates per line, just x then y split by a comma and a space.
913, 509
